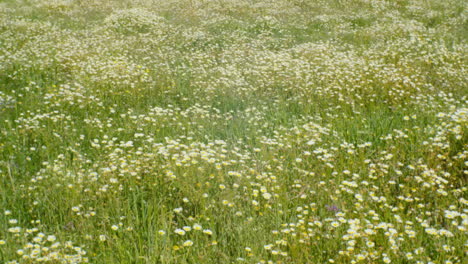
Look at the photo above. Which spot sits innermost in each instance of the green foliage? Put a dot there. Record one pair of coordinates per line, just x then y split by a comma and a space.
189, 131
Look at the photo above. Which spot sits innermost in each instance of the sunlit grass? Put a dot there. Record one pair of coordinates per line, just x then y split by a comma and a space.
233, 131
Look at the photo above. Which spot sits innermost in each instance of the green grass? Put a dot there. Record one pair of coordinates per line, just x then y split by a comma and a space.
290, 131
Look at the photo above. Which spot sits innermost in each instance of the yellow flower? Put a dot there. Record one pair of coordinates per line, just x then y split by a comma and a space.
188, 243
180, 231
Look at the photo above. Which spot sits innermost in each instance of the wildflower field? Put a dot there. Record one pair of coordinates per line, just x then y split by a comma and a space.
233, 131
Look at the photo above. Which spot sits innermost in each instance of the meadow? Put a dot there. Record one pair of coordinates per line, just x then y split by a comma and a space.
233, 131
